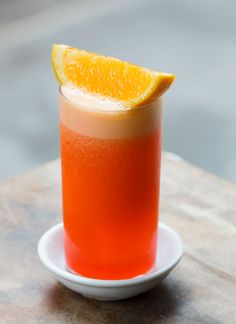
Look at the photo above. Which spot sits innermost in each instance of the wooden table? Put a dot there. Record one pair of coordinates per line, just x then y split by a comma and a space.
202, 289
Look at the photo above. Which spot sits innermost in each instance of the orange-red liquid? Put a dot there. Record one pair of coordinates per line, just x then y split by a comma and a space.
110, 203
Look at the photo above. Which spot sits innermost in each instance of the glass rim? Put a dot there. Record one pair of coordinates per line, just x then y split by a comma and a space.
123, 110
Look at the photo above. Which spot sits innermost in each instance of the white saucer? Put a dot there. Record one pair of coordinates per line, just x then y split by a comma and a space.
51, 253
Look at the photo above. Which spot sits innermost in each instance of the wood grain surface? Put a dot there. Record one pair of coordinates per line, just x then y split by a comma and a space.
202, 289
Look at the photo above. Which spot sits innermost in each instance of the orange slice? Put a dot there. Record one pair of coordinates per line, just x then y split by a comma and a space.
108, 77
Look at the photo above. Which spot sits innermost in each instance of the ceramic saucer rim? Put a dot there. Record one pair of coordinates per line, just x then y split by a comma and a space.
66, 275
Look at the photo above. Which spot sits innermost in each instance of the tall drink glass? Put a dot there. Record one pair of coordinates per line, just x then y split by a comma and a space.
110, 182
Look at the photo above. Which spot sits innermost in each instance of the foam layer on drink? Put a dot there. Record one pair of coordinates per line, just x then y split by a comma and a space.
98, 117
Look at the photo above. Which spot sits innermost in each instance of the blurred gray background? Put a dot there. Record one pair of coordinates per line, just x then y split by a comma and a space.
195, 39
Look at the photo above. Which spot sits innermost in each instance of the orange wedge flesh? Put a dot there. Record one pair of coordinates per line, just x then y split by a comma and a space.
108, 77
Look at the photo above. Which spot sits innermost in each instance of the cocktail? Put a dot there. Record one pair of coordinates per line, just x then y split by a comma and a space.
110, 154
